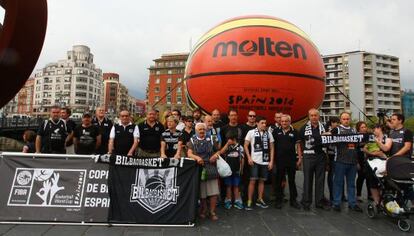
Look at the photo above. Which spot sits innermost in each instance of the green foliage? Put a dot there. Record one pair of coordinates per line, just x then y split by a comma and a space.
409, 123
138, 119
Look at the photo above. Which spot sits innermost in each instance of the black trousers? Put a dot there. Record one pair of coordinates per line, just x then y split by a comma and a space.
313, 166
281, 171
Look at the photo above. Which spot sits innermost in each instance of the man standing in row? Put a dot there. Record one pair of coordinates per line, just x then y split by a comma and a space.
150, 131
260, 160
345, 166
314, 161
402, 138
52, 134
70, 124
105, 125
286, 142
86, 137
124, 137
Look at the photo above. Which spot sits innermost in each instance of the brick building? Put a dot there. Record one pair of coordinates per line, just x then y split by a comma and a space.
166, 88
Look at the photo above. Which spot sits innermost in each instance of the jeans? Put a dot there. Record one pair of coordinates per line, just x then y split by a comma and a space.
349, 171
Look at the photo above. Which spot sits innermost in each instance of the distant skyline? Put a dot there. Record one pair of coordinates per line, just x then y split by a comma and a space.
125, 35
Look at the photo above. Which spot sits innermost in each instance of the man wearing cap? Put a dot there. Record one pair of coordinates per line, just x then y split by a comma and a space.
124, 137
86, 137
105, 125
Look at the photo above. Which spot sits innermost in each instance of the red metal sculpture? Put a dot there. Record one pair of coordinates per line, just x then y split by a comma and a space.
21, 39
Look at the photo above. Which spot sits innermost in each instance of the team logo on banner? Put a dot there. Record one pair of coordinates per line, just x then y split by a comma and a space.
44, 187
155, 189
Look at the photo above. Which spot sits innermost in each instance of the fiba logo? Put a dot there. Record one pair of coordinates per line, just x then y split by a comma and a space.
155, 189
24, 177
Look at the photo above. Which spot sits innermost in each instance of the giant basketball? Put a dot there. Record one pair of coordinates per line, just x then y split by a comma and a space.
258, 63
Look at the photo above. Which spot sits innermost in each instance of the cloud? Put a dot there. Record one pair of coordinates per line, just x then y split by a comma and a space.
126, 35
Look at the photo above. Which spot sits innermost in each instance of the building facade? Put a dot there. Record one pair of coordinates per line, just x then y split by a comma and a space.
111, 90
22, 102
74, 82
166, 88
370, 81
25, 98
116, 95
408, 103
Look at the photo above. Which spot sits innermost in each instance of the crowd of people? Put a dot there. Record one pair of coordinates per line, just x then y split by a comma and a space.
258, 152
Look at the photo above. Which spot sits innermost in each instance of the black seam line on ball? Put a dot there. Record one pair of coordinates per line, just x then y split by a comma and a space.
256, 73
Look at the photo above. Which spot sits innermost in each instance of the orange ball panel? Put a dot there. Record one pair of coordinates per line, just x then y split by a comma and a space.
265, 94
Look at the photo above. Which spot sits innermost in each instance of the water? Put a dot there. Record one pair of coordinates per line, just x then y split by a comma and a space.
10, 145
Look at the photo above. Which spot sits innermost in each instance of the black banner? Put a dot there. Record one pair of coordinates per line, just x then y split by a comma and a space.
53, 189
163, 191
56, 189
346, 138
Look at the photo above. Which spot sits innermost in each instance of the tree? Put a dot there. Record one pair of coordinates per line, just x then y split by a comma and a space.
409, 123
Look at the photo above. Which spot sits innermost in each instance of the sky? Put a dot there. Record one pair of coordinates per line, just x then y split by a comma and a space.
126, 35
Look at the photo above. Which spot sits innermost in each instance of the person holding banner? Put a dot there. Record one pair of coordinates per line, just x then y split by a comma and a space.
86, 137
202, 149
170, 143
346, 159
124, 137
52, 134
150, 136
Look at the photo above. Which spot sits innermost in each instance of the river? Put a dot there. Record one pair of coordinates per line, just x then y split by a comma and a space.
10, 145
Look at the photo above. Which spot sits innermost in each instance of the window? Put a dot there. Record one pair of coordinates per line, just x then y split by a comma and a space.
169, 72
157, 89
157, 98
157, 81
80, 94
168, 99
179, 90
80, 101
169, 81
81, 87
179, 80
179, 99
168, 89
158, 72
82, 79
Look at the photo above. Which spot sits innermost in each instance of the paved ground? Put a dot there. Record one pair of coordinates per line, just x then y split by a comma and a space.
259, 222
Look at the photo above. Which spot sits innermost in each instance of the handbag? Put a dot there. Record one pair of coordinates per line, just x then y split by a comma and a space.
210, 171
223, 168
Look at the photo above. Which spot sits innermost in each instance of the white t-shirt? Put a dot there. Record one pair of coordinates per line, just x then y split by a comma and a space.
258, 156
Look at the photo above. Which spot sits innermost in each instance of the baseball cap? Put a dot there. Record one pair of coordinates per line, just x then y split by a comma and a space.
87, 114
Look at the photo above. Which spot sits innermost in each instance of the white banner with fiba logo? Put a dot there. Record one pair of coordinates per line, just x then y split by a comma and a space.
33, 187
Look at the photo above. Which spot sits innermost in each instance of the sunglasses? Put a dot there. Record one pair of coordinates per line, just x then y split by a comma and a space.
252, 115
